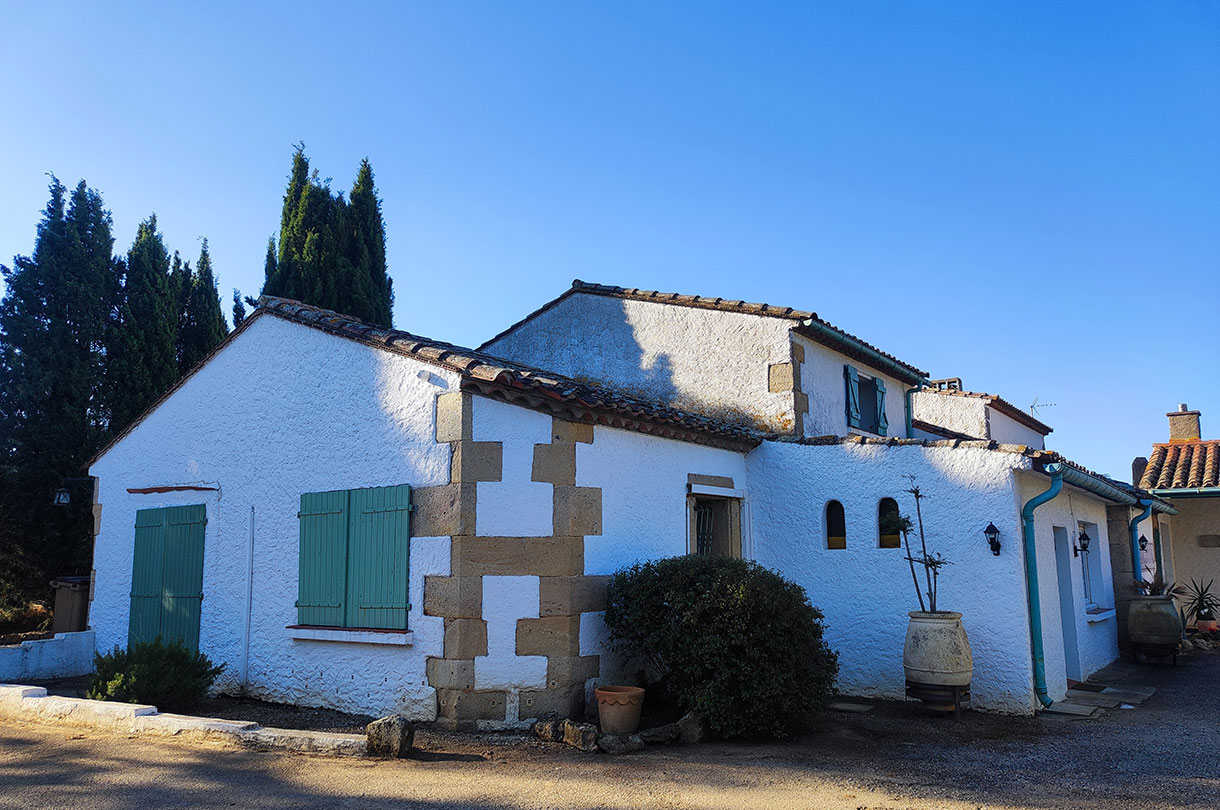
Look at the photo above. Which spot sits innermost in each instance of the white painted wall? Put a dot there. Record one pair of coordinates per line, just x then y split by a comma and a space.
1097, 640
1195, 516
822, 380
1006, 430
282, 410
960, 414
65, 655
866, 591
703, 360
514, 506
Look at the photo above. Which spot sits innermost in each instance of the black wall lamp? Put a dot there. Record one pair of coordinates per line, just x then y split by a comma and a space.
1143, 543
1082, 544
993, 538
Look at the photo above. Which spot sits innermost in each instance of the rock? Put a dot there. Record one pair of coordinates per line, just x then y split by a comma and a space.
549, 727
692, 728
390, 736
580, 735
620, 743
661, 735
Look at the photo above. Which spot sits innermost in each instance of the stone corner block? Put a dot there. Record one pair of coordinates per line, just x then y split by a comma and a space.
549, 636
781, 377
453, 597
569, 596
578, 511
562, 703
451, 674
554, 464
477, 461
454, 417
443, 511
565, 431
465, 638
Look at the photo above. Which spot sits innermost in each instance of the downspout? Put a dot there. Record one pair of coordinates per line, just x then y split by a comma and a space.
1136, 571
910, 427
1031, 579
245, 653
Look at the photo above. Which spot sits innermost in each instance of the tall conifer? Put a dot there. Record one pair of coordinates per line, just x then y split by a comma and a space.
202, 325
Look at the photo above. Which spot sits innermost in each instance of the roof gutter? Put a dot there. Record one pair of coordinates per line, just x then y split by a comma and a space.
874, 357
1197, 492
1104, 489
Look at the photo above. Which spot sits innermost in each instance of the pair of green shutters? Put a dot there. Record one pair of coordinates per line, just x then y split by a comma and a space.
875, 408
167, 575
354, 554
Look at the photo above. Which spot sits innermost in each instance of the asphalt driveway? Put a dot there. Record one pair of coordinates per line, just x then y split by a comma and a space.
1162, 754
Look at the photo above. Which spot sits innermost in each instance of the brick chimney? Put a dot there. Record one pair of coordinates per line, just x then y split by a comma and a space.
1137, 470
1183, 425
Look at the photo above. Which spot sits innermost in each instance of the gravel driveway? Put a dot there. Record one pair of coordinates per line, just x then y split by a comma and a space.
1160, 755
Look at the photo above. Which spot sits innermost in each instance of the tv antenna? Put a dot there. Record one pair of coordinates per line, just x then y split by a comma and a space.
1036, 405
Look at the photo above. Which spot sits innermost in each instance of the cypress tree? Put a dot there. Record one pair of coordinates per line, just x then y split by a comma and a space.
53, 327
202, 325
239, 309
332, 253
143, 361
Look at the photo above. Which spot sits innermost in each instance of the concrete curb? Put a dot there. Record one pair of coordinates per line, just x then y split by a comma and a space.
32, 704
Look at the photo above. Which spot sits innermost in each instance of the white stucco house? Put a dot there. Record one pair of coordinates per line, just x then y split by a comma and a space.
361, 518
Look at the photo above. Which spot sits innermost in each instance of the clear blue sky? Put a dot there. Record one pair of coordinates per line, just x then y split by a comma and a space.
1023, 196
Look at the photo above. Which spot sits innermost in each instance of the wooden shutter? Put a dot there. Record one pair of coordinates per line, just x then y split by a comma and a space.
144, 619
167, 575
322, 561
852, 380
882, 422
378, 553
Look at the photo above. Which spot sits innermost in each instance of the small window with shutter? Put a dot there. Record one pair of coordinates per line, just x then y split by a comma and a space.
354, 557
865, 398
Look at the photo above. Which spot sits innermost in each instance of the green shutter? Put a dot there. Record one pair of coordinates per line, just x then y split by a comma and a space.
322, 568
852, 380
882, 422
167, 575
378, 551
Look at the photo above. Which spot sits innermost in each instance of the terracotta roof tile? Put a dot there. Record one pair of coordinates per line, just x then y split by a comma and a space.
1183, 465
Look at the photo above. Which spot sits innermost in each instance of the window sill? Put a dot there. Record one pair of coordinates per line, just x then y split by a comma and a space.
1098, 614
399, 638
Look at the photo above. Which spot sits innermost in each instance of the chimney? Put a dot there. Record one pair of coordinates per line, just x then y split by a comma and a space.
1183, 425
1137, 470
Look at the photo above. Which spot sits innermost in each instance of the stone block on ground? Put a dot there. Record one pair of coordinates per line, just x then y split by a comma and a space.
390, 736
620, 743
692, 728
580, 735
549, 727
661, 735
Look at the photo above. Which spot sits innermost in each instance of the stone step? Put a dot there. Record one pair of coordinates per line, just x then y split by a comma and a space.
1069, 708
843, 706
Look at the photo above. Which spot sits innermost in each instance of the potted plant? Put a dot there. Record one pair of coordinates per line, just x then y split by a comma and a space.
936, 656
1153, 623
1202, 606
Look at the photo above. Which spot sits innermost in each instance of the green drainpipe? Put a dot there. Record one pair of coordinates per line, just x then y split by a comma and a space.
1135, 537
910, 428
1031, 579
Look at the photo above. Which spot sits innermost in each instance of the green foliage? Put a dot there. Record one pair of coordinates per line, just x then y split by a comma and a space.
168, 676
29, 617
331, 252
143, 356
733, 640
239, 309
1201, 603
201, 324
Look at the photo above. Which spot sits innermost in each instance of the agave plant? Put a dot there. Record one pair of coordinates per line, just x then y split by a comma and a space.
1200, 602
1158, 587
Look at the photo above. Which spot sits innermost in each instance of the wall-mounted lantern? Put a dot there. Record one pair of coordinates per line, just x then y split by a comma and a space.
993, 538
62, 497
1143, 543
1082, 544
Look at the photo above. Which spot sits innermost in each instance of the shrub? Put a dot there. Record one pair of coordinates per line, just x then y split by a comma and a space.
29, 617
169, 676
734, 641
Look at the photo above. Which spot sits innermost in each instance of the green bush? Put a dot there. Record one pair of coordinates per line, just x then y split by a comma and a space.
733, 641
28, 617
169, 676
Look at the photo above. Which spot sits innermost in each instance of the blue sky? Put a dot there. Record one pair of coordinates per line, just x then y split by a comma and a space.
1022, 195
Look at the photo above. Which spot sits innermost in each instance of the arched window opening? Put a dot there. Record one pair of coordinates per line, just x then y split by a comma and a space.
889, 524
836, 526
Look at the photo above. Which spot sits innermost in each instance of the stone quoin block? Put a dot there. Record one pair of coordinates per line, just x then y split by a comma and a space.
565, 670
444, 673
800, 401
553, 635
476, 461
566, 702
462, 710
781, 377
569, 596
722, 481
554, 464
578, 511
453, 597
798, 352
465, 638
577, 432
443, 511
517, 556
454, 417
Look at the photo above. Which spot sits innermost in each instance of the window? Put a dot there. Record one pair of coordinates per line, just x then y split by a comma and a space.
888, 532
865, 397
715, 526
836, 526
354, 554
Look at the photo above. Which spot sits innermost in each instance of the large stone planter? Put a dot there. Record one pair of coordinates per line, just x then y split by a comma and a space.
937, 659
1153, 622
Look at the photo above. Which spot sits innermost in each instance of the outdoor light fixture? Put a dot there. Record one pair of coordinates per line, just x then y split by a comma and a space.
993, 538
1082, 544
1143, 543
62, 498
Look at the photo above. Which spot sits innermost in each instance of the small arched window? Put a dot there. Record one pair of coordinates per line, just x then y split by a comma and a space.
836, 526
888, 524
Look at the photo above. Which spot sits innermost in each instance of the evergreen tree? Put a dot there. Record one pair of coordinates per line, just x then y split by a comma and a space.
332, 253
239, 309
202, 325
53, 326
143, 361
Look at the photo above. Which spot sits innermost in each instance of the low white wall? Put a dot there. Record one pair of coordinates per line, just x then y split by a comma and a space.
282, 410
866, 591
67, 655
1006, 430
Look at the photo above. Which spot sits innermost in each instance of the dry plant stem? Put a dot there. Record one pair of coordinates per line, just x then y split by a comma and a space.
906, 539
923, 544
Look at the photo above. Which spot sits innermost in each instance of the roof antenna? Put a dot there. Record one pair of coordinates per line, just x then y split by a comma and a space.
1035, 405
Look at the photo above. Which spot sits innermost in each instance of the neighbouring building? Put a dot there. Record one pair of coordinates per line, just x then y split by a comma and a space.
365, 519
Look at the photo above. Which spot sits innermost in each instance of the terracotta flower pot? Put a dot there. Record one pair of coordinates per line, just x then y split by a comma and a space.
937, 652
618, 708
